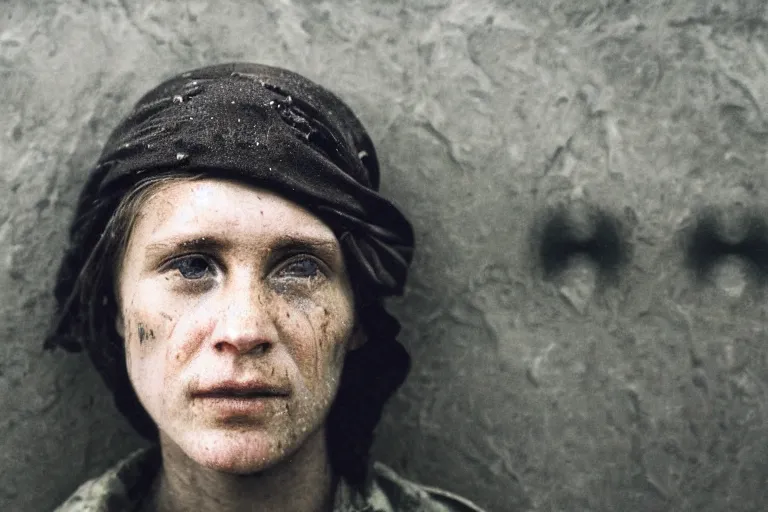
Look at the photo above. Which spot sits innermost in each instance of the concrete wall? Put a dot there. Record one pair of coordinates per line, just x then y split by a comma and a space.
643, 391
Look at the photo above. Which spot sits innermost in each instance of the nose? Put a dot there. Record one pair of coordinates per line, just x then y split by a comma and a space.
245, 326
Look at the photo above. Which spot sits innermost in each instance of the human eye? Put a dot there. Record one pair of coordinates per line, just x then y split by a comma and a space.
303, 266
192, 267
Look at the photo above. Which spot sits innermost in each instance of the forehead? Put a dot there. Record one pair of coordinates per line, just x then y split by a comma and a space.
226, 207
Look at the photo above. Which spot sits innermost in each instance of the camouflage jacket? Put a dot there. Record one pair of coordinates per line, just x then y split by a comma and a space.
122, 488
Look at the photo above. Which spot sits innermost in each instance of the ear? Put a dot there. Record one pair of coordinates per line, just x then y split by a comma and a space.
358, 338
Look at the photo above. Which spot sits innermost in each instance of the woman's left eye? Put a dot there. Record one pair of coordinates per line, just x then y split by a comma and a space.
303, 267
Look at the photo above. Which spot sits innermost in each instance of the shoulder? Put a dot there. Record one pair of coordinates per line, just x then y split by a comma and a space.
89, 497
115, 490
408, 496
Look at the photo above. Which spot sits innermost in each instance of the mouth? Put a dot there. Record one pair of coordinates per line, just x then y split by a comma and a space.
241, 390
243, 401
225, 393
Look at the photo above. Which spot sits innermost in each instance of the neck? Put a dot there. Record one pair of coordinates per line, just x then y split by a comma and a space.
301, 483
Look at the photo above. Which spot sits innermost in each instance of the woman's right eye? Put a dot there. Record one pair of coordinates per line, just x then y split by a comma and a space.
192, 267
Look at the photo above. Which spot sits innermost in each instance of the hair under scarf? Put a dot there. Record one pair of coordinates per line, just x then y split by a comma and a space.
260, 125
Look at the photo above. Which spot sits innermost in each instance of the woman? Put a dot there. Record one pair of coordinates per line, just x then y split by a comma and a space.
228, 261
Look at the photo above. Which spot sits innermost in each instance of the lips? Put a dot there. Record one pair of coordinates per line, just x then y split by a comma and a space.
244, 389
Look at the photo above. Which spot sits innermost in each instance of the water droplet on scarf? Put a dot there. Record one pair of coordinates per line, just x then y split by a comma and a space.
181, 156
178, 99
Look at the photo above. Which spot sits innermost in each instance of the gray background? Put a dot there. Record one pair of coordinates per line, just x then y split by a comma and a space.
648, 394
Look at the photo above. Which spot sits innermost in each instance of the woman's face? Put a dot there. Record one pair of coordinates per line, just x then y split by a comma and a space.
237, 312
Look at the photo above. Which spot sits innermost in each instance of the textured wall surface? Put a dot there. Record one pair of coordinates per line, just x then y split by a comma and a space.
646, 390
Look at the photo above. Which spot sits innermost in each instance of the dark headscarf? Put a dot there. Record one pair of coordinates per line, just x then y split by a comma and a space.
260, 125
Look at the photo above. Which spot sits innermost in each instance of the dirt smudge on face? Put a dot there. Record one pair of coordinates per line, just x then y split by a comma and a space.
145, 334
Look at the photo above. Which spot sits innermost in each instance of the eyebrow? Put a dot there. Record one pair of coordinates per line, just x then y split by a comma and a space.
202, 244
280, 244
286, 243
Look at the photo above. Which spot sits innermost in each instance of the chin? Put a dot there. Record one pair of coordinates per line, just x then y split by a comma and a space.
234, 451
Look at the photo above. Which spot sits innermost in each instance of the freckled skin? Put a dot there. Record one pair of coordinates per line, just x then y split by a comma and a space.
250, 316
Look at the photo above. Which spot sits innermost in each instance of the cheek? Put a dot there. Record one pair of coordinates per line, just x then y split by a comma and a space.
165, 322
161, 338
145, 363
320, 332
